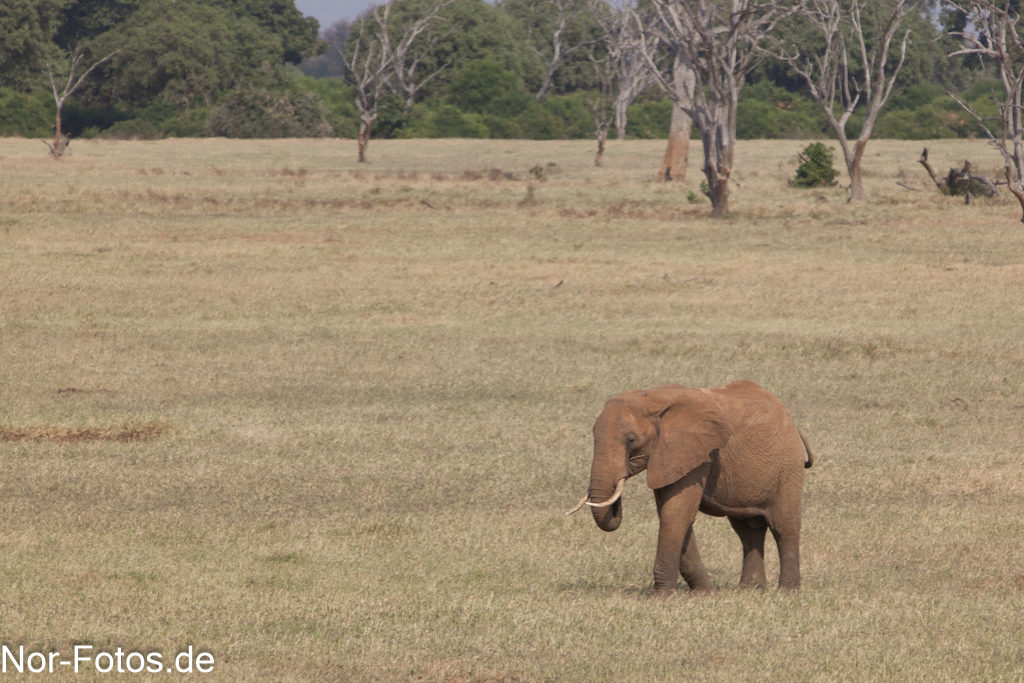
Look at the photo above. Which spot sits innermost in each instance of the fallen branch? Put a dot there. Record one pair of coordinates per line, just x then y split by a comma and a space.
931, 171
958, 180
908, 187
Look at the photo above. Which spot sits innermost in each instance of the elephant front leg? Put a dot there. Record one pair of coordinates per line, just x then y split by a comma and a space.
692, 567
677, 547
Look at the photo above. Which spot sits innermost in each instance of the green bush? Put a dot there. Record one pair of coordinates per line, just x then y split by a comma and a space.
924, 123
89, 119
770, 112
27, 115
570, 115
917, 96
187, 124
132, 129
649, 120
511, 115
338, 100
156, 121
261, 113
816, 169
438, 119
485, 87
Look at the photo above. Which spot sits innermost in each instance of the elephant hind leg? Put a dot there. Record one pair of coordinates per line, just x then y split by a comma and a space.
752, 537
788, 541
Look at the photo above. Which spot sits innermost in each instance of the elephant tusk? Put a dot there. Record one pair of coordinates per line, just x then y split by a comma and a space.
579, 504
615, 496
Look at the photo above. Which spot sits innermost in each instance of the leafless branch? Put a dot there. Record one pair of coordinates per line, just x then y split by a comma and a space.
566, 12
76, 55
831, 78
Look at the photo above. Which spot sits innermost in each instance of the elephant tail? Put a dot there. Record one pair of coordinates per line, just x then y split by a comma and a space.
807, 447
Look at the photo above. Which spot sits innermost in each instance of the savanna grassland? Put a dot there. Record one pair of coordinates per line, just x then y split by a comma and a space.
323, 421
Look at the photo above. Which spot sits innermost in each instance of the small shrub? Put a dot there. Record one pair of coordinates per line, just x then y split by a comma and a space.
816, 168
770, 112
437, 119
132, 129
28, 115
649, 120
260, 113
338, 100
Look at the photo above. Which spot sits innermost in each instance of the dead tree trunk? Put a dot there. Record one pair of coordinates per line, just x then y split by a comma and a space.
958, 180
854, 169
719, 195
601, 135
59, 145
364, 139
677, 152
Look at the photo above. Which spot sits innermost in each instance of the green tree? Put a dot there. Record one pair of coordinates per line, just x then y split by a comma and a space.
186, 53
83, 20
297, 33
556, 30
26, 29
484, 87
472, 30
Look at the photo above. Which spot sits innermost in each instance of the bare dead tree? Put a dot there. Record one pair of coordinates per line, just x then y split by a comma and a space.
601, 102
375, 60
718, 40
368, 69
846, 70
60, 97
620, 70
995, 36
627, 46
554, 45
410, 52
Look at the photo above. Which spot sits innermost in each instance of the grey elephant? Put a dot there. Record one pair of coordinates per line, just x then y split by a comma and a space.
733, 451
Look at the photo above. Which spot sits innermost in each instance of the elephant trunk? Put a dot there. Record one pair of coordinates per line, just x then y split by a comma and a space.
606, 485
609, 518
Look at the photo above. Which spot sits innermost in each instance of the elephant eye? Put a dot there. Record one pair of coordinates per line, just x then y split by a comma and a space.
630, 440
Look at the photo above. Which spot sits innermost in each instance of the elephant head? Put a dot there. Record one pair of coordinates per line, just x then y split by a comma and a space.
668, 430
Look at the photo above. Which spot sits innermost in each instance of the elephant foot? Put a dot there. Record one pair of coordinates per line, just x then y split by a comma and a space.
662, 593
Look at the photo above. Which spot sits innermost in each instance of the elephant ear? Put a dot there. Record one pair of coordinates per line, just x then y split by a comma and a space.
691, 426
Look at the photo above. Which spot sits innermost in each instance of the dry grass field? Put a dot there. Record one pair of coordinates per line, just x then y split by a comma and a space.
323, 421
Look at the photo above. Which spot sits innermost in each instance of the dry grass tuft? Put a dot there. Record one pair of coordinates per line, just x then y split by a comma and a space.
130, 432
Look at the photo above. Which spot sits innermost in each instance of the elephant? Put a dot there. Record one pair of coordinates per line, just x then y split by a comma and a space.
729, 452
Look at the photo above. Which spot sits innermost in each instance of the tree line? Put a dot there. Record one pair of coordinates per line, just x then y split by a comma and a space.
718, 70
